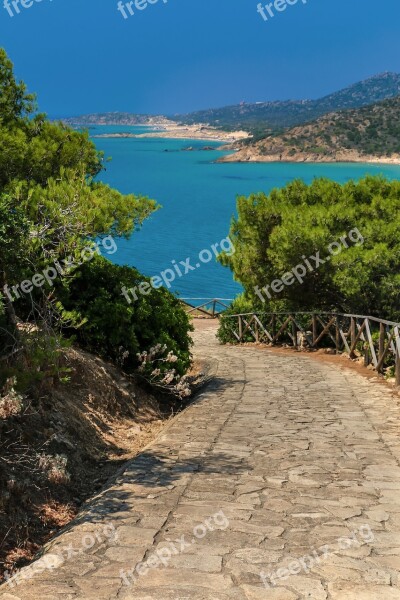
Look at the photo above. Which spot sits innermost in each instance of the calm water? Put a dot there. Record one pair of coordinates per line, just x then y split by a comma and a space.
198, 199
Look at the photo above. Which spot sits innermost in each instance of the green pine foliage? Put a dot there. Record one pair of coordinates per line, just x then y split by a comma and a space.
51, 205
275, 233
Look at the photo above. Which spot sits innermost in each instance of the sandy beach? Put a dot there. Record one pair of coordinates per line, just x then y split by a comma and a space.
177, 131
169, 129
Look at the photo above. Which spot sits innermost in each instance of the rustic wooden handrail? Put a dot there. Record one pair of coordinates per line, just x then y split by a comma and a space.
210, 308
375, 339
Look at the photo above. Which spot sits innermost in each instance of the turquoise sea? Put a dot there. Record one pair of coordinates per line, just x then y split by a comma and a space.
198, 199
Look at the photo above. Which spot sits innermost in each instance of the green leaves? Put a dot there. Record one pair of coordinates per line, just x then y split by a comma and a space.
14, 233
273, 234
47, 171
110, 326
15, 103
36, 150
51, 207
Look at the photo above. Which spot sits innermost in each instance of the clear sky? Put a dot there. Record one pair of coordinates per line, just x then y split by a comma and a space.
181, 55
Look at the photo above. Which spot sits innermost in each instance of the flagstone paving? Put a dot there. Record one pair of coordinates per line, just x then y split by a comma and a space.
281, 482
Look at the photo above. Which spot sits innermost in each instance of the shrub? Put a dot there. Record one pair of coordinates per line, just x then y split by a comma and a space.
120, 331
54, 468
274, 233
158, 368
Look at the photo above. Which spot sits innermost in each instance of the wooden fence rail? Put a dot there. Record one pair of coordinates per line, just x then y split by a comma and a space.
209, 308
377, 340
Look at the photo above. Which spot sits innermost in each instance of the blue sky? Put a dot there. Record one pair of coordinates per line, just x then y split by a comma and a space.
83, 56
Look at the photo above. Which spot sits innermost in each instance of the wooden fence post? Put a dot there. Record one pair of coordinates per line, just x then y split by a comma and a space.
337, 337
397, 349
294, 333
352, 334
368, 354
382, 335
397, 370
240, 329
273, 326
314, 328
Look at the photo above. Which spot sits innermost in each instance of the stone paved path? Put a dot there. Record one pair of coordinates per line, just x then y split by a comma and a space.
284, 465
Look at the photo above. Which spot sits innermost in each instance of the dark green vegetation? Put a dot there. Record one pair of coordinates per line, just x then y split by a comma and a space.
114, 118
65, 414
51, 207
275, 233
151, 320
368, 131
263, 118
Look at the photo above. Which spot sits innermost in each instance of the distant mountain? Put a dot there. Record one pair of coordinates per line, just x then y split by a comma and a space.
114, 118
264, 117
367, 133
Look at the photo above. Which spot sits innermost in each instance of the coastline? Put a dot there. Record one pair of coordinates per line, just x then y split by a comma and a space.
240, 156
164, 129
189, 132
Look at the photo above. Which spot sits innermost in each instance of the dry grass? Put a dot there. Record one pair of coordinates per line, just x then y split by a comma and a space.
61, 451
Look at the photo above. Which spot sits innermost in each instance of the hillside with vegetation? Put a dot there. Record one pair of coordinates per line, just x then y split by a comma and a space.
113, 118
262, 118
365, 134
83, 373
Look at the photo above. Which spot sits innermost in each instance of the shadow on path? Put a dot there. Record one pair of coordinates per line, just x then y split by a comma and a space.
151, 473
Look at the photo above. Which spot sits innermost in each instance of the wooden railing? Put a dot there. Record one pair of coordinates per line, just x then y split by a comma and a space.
209, 308
375, 339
